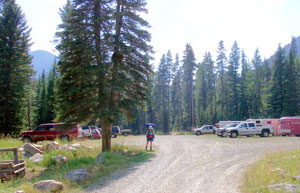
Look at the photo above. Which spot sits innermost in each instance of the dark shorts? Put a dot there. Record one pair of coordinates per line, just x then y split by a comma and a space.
149, 139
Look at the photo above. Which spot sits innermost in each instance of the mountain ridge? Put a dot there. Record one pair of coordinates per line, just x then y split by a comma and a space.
286, 48
42, 60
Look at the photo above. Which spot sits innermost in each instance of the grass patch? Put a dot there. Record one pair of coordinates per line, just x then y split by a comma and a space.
181, 133
8, 142
274, 169
83, 158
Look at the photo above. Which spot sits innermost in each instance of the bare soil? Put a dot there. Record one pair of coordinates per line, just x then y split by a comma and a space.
185, 163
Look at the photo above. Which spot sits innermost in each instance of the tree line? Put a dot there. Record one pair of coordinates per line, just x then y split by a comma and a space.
186, 94
104, 75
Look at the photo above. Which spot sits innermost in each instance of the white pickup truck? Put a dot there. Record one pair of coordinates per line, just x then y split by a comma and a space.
249, 129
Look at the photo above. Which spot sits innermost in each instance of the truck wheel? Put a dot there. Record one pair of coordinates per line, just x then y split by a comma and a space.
27, 139
233, 135
113, 135
223, 134
198, 133
265, 134
125, 134
64, 138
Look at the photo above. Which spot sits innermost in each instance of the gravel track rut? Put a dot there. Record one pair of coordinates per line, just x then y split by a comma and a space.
185, 164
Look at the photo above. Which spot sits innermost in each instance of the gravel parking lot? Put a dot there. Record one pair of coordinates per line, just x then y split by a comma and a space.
204, 163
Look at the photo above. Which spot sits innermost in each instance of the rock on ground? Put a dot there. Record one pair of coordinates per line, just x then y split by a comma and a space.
49, 185
31, 149
297, 178
59, 159
67, 147
40, 147
100, 157
285, 187
36, 158
52, 146
77, 175
76, 145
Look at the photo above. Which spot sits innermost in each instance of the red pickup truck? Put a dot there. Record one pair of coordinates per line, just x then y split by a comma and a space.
51, 131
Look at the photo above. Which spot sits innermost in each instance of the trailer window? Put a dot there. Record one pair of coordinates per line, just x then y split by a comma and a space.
269, 122
257, 121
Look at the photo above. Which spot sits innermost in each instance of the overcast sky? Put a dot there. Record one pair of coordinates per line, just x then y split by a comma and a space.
202, 23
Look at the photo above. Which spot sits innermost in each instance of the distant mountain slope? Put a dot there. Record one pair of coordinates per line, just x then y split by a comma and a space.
287, 49
42, 60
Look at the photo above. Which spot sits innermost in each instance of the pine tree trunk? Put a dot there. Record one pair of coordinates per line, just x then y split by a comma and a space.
180, 110
168, 113
28, 113
106, 134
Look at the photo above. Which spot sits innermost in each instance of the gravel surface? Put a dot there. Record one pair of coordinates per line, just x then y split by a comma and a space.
203, 163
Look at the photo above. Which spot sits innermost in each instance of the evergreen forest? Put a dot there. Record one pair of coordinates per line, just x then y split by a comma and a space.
105, 75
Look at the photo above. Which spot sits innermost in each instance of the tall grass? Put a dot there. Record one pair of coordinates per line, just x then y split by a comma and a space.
7, 142
274, 169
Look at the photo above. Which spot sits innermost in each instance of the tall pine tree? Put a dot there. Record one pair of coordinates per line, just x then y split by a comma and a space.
255, 86
243, 97
189, 66
41, 111
290, 87
233, 82
221, 81
51, 93
15, 69
104, 44
277, 97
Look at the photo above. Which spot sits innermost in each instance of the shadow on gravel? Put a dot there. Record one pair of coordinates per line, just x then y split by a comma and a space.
109, 180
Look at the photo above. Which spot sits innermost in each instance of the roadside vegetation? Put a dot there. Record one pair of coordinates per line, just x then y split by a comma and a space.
281, 168
83, 158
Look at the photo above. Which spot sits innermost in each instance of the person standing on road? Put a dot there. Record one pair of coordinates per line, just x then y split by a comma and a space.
150, 136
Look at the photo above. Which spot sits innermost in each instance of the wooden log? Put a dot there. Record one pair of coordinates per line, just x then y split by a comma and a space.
19, 164
16, 161
8, 149
7, 161
4, 165
19, 170
5, 171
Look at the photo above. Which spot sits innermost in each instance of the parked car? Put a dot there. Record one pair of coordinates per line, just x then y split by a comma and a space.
126, 132
95, 127
290, 126
222, 124
249, 129
205, 129
222, 131
86, 130
115, 131
96, 134
51, 131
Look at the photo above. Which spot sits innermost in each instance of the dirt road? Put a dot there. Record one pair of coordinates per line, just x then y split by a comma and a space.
194, 164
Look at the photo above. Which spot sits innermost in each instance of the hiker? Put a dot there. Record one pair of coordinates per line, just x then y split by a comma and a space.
150, 136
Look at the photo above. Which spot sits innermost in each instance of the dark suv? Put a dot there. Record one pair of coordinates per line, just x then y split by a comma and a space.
115, 131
